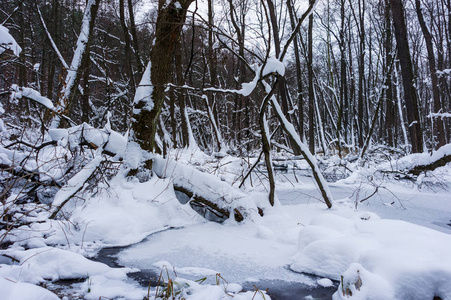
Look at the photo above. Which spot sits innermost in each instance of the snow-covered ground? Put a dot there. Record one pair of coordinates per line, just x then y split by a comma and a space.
302, 229
393, 245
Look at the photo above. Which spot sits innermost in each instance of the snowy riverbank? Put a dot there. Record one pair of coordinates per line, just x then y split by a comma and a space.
388, 258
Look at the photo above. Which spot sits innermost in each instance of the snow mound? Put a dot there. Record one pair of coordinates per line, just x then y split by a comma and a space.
128, 211
12, 290
383, 253
48, 263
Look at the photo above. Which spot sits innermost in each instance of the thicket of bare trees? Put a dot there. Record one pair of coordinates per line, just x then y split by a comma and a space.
358, 72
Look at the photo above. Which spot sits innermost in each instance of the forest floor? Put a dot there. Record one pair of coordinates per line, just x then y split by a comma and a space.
387, 237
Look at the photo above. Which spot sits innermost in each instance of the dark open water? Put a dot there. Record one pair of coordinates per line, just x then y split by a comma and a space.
277, 289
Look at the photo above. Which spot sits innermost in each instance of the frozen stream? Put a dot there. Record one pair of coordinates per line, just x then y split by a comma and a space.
259, 253
282, 284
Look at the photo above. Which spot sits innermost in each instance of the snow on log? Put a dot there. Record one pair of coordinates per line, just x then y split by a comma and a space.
144, 92
438, 159
112, 142
74, 185
29, 93
419, 162
208, 190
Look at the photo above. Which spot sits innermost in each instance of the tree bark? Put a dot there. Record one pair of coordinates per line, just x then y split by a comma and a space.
361, 64
343, 108
438, 124
127, 46
300, 100
171, 17
410, 96
212, 65
79, 61
181, 95
311, 95
390, 107
135, 39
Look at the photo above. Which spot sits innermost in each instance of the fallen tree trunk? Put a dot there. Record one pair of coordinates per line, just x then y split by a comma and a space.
74, 185
442, 161
196, 200
207, 191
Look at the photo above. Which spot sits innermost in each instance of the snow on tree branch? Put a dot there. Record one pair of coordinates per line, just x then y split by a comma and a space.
7, 42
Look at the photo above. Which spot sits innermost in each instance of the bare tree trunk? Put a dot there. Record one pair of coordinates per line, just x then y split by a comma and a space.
85, 105
319, 179
390, 107
266, 146
239, 122
79, 60
171, 17
311, 92
343, 107
51, 72
212, 61
352, 89
275, 34
387, 70
173, 117
300, 100
439, 128
283, 90
128, 57
410, 96
361, 93
135, 39
181, 95
399, 105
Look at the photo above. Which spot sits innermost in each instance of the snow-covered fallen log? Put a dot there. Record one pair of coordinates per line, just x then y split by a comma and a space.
75, 185
111, 142
210, 191
18, 92
438, 159
419, 162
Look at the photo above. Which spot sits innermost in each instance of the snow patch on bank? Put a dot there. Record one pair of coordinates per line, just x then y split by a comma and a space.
395, 259
128, 211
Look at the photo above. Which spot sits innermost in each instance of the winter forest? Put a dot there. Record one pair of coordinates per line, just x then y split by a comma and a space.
225, 149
